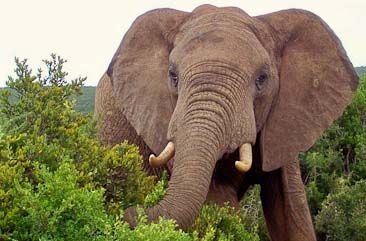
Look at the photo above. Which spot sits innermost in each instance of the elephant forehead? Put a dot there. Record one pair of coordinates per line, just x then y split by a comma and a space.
218, 35
222, 36
220, 45
218, 19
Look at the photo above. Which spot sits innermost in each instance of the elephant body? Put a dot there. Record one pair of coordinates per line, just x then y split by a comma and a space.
217, 86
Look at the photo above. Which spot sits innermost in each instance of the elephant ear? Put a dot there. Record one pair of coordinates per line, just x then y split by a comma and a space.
139, 72
316, 83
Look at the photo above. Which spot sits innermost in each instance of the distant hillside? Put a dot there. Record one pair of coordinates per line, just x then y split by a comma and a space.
361, 70
85, 102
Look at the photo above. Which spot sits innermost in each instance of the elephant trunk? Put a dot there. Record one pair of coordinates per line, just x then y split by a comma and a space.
195, 160
200, 140
199, 143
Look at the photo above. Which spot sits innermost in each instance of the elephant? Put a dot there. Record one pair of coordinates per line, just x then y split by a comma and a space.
224, 100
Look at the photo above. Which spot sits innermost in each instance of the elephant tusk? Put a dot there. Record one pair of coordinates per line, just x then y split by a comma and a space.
245, 158
164, 156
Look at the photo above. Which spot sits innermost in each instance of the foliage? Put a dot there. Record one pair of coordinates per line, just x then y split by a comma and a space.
56, 208
47, 147
164, 230
58, 182
84, 102
158, 192
343, 213
222, 223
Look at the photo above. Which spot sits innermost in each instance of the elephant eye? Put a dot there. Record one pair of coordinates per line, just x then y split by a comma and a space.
259, 82
173, 77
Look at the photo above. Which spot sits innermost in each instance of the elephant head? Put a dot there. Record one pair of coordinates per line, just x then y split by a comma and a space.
216, 80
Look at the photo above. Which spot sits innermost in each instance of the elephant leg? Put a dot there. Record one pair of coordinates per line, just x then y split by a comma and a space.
113, 127
222, 194
227, 184
285, 206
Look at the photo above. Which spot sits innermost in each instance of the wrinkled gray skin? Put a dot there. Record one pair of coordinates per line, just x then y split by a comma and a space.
214, 79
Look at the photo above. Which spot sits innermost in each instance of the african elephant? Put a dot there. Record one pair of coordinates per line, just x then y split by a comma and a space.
229, 101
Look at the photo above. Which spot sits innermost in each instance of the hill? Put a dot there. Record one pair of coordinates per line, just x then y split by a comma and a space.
85, 102
361, 70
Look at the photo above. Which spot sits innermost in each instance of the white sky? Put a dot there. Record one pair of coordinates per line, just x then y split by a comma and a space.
87, 32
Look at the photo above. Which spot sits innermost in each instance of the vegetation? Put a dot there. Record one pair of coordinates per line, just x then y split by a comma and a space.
343, 213
58, 182
84, 102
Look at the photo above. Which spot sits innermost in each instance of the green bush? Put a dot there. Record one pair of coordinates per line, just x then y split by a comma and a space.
56, 208
55, 175
222, 223
164, 230
158, 192
343, 213
57, 181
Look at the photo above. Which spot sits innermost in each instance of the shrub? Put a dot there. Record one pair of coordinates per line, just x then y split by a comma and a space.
55, 175
120, 172
43, 127
343, 213
57, 181
164, 230
158, 192
221, 223
56, 208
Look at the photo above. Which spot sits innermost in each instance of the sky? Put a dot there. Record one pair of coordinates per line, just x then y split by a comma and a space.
88, 32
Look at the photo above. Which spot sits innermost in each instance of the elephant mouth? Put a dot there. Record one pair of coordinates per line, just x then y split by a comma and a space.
227, 174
